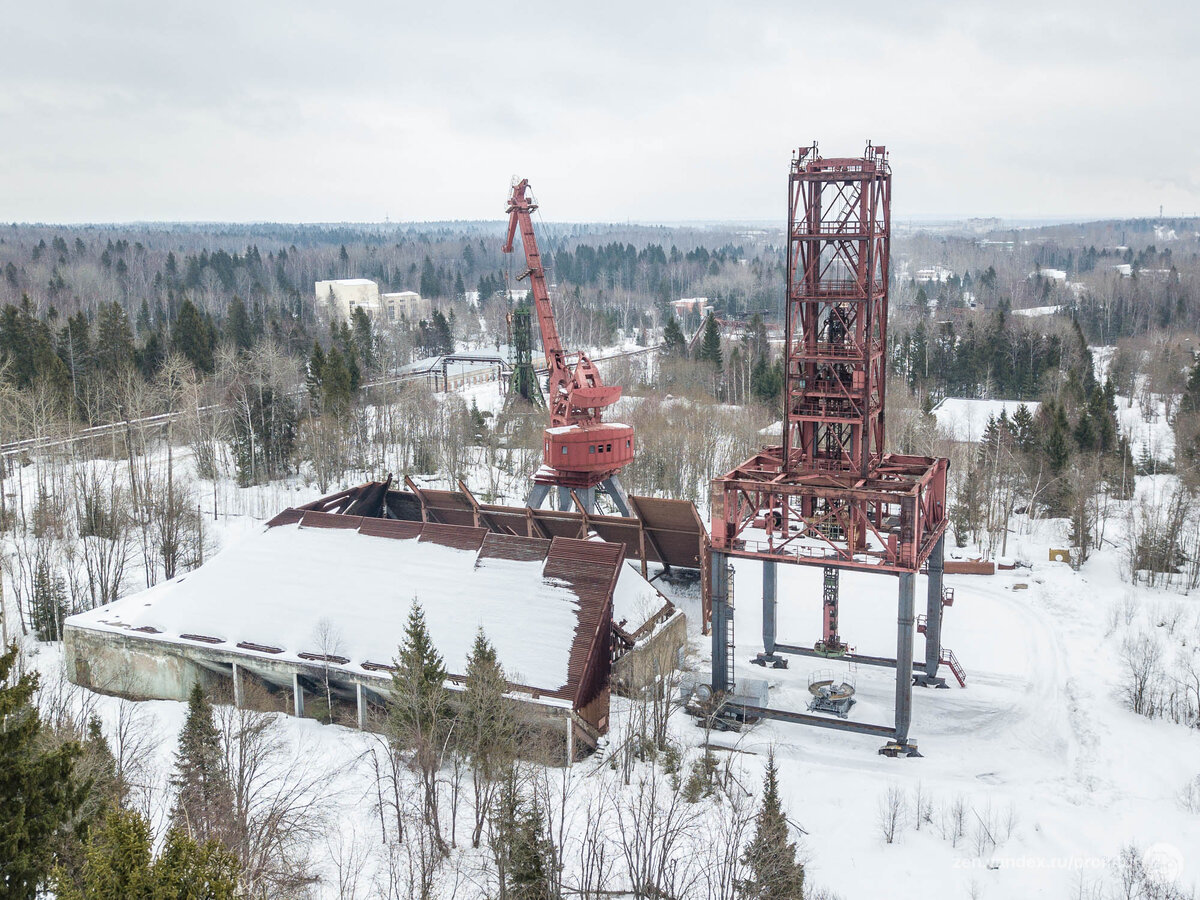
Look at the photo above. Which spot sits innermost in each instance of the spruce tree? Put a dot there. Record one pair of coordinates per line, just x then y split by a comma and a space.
191, 336
204, 799
364, 337
488, 723
39, 792
520, 845
418, 683
674, 343
773, 872
315, 371
337, 383
419, 712
1190, 402
710, 343
120, 865
238, 330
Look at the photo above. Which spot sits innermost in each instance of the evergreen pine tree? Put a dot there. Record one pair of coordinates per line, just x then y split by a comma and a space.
238, 330
120, 865
773, 872
710, 343
418, 683
190, 335
520, 845
315, 371
204, 799
488, 723
39, 792
674, 343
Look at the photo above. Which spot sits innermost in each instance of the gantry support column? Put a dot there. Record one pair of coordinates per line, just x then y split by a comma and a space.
769, 618
904, 655
615, 490
587, 496
238, 699
360, 695
537, 496
722, 625
297, 696
933, 618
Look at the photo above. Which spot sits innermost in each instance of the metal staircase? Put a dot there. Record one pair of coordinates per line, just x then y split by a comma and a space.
949, 659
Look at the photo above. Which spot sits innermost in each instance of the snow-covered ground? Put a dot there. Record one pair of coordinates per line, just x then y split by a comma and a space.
1053, 773
966, 420
1038, 744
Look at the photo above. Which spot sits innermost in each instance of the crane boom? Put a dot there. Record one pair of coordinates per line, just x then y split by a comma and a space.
575, 397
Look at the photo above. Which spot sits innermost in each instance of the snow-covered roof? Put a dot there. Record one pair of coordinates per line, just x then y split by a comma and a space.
1034, 311
965, 420
358, 578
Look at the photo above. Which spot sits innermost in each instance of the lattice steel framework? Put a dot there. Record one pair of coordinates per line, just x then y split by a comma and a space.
838, 237
829, 495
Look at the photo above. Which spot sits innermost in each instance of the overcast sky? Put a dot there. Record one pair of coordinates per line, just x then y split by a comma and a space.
616, 111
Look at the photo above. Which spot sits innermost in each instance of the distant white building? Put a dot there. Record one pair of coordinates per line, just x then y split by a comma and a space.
1051, 274
340, 297
939, 274
408, 305
686, 305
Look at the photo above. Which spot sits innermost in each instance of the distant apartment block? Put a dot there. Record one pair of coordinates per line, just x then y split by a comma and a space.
340, 297
685, 305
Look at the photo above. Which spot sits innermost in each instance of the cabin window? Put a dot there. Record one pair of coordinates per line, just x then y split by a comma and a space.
608, 449
591, 448
628, 442
564, 450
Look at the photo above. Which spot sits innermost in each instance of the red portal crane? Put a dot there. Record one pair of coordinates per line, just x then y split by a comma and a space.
580, 452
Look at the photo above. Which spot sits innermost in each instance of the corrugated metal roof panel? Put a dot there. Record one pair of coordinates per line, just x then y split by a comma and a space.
508, 546
454, 536
287, 517
314, 519
390, 528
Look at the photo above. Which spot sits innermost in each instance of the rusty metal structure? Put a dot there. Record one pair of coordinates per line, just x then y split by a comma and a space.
829, 495
581, 452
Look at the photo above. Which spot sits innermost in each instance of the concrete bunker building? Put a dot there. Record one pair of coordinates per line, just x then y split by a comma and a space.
322, 593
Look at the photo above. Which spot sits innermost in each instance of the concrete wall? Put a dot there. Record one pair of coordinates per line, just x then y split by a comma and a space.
656, 655
141, 668
113, 663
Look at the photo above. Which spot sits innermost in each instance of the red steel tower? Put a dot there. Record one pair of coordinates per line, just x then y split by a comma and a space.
830, 495
838, 240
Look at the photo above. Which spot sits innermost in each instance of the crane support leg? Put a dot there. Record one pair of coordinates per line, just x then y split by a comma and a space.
722, 625
613, 487
933, 618
587, 496
904, 655
537, 496
770, 581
